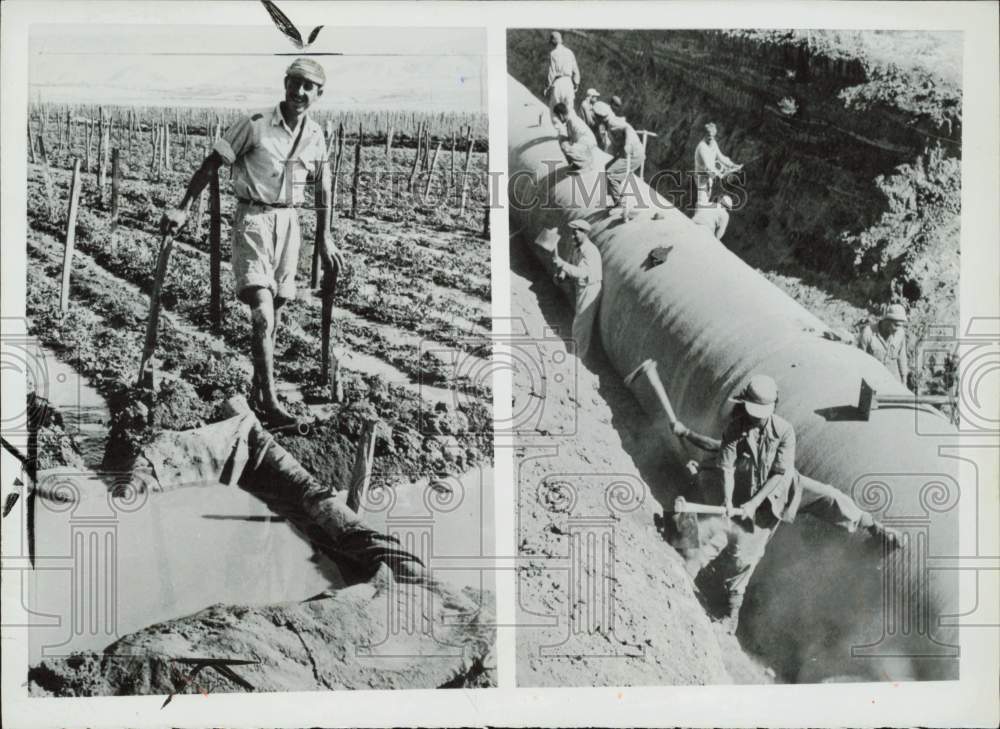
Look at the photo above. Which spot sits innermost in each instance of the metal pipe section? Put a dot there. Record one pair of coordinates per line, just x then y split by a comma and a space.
823, 604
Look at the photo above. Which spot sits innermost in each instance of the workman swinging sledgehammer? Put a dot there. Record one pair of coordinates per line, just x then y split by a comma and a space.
271, 154
757, 459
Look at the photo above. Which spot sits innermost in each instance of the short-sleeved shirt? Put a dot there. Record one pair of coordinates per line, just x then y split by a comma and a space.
623, 139
757, 453
562, 62
257, 147
585, 264
714, 217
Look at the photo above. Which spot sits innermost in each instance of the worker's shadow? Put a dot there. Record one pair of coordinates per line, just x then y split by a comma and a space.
517, 151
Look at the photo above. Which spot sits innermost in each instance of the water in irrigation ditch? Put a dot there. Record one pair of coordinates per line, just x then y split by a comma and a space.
84, 411
106, 569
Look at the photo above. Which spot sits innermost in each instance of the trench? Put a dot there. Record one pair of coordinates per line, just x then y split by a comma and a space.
709, 321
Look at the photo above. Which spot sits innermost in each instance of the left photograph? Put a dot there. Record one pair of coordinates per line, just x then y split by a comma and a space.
258, 452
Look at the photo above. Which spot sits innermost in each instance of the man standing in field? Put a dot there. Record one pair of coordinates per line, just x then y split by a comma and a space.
271, 154
578, 143
584, 267
625, 148
710, 164
564, 75
886, 342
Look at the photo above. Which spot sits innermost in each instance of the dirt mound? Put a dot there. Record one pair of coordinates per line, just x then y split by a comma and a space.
361, 637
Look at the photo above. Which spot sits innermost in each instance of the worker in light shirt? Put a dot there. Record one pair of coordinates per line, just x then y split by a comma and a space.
563, 75
710, 164
583, 266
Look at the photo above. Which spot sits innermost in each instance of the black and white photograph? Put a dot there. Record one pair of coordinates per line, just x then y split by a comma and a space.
258, 296
746, 246
627, 363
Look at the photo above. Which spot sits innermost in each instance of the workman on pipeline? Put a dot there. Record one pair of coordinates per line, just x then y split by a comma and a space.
563, 75
714, 216
886, 342
625, 148
578, 143
710, 164
757, 459
587, 114
584, 267
271, 154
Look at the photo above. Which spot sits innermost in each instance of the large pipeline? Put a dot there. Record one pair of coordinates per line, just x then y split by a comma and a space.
824, 605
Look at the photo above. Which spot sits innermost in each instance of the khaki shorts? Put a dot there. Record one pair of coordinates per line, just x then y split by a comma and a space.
266, 249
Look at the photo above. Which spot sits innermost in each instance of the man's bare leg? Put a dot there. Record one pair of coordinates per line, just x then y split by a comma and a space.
263, 321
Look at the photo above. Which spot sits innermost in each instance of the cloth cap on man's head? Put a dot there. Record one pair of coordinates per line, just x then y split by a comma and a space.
602, 110
616, 101
895, 312
582, 225
727, 202
555, 36
710, 127
308, 69
759, 396
592, 92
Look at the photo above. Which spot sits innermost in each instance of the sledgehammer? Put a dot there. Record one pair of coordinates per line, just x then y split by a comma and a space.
648, 369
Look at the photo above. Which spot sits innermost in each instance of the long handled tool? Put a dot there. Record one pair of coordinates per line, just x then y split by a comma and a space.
166, 245
329, 365
648, 370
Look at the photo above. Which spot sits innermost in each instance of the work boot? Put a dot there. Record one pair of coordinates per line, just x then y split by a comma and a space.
892, 538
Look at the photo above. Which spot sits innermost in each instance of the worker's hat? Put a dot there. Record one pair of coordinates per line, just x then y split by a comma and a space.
895, 312
616, 101
711, 127
580, 225
592, 92
759, 396
727, 202
602, 110
308, 69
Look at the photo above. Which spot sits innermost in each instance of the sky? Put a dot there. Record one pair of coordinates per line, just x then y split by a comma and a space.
418, 69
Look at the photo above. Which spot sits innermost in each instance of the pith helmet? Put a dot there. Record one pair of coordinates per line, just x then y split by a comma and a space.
759, 396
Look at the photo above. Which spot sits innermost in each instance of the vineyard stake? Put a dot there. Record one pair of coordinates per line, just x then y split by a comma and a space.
215, 250
116, 179
357, 173
336, 173
388, 155
166, 244
50, 194
416, 159
102, 151
454, 148
74, 202
31, 143
430, 174
465, 175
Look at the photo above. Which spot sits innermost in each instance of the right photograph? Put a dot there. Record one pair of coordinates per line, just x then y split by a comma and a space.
735, 264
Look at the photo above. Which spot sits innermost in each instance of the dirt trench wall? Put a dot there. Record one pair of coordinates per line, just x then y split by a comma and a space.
710, 321
842, 178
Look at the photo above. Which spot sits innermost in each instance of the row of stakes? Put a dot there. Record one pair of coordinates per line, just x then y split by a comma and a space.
160, 139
